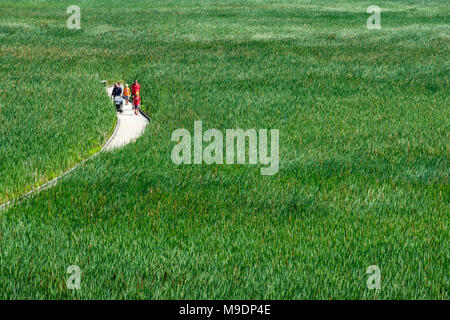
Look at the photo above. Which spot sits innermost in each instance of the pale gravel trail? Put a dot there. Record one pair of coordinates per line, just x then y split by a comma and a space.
128, 128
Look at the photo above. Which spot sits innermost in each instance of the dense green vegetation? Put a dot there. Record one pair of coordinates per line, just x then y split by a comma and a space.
53, 112
364, 136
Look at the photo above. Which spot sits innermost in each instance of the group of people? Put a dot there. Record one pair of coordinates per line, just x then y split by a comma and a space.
129, 94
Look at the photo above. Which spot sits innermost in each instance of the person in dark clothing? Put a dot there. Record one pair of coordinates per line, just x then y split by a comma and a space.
117, 91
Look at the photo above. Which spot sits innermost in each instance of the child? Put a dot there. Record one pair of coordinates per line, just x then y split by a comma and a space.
126, 93
136, 103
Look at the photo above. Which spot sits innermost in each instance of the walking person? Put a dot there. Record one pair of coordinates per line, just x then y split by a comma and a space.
116, 95
135, 87
136, 103
117, 91
126, 94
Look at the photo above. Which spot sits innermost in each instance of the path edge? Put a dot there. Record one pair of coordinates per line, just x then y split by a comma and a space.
55, 180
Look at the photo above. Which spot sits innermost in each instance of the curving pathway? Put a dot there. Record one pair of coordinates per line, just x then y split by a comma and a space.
128, 128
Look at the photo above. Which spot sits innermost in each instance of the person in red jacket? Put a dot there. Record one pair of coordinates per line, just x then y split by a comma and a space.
136, 103
135, 87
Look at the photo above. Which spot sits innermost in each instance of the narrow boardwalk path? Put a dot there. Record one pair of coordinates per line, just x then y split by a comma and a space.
129, 127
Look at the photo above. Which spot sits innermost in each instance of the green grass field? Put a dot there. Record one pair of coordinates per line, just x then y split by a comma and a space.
364, 150
52, 114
